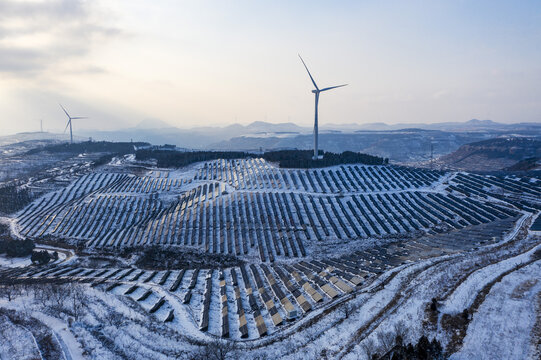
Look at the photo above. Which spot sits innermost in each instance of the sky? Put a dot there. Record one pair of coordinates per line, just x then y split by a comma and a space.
213, 63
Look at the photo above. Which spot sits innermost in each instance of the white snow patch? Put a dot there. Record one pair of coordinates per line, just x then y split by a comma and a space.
465, 294
501, 328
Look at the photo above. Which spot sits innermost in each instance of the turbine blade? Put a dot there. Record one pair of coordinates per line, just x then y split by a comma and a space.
332, 87
68, 124
79, 117
306, 67
68, 115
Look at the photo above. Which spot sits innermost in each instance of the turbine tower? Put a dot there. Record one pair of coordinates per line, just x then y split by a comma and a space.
69, 122
316, 93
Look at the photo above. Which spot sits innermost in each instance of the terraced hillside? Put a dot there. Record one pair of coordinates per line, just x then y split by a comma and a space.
349, 250
257, 299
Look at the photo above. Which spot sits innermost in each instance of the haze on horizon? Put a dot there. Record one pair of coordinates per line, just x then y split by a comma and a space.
215, 63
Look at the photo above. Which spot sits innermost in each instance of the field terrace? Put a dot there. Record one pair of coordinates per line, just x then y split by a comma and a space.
307, 239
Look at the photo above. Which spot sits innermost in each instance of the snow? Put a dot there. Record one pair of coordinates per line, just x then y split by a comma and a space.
17, 342
14, 262
410, 312
465, 294
500, 327
407, 294
71, 347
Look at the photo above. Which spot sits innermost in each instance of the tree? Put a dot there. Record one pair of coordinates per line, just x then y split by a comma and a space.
347, 310
40, 257
369, 347
9, 289
217, 350
386, 340
400, 330
13, 198
434, 305
16, 248
465, 315
77, 300
422, 348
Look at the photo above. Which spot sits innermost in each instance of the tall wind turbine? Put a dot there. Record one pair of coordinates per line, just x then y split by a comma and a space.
69, 122
316, 93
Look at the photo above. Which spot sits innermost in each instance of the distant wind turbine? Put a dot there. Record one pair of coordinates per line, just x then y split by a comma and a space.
316, 93
69, 122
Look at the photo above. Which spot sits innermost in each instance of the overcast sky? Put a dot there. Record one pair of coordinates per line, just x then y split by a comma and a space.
193, 63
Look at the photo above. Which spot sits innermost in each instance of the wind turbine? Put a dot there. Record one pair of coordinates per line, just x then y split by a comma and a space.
316, 93
69, 122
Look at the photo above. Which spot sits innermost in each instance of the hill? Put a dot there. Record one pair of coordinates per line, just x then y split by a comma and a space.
495, 154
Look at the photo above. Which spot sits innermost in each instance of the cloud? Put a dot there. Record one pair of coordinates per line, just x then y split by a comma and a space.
53, 8
35, 36
440, 94
90, 69
20, 60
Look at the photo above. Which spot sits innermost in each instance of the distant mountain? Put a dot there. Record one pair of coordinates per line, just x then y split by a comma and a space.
407, 145
253, 128
399, 142
470, 125
261, 126
158, 132
478, 125
194, 138
152, 123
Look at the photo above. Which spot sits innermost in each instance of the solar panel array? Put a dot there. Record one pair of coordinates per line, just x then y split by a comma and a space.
250, 207
257, 299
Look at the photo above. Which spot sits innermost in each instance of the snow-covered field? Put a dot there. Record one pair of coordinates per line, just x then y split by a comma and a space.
502, 327
329, 263
6, 262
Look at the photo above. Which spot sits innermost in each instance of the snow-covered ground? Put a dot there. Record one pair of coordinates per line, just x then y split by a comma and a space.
18, 262
464, 295
502, 326
395, 209
70, 346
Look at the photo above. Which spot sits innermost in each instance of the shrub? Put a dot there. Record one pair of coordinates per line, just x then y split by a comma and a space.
40, 257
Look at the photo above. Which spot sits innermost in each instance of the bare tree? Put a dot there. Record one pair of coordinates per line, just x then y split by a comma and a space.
77, 300
347, 310
217, 350
9, 289
57, 295
41, 294
369, 347
114, 319
132, 347
386, 339
400, 330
